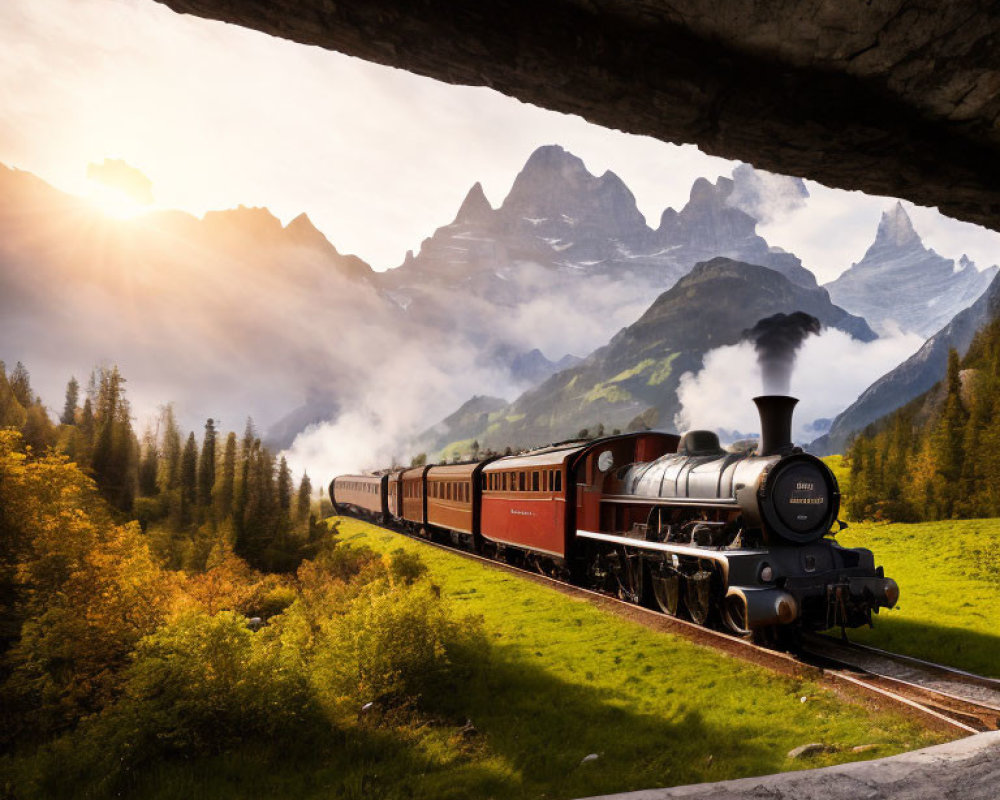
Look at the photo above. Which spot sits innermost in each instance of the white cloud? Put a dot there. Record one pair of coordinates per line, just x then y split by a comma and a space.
831, 370
764, 195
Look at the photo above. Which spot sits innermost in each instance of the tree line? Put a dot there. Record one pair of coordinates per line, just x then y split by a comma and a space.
195, 497
938, 457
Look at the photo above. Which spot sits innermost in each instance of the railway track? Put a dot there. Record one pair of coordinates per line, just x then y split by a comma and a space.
972, 700
943, 697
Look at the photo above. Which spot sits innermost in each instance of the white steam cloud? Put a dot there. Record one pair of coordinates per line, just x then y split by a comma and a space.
832, 369
765, 196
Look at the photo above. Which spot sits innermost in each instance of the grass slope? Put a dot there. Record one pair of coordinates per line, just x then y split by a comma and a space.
949, 578
567, 680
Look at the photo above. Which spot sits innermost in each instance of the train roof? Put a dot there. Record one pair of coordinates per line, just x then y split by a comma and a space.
453, 470
549, 456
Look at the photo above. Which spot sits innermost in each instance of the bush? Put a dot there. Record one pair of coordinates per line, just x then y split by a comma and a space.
276, 601
199, 686
406, 567
395, 646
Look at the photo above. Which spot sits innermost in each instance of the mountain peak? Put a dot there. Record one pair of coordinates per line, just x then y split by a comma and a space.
895, 228
303, 231
475, 207
552, 156
555, 186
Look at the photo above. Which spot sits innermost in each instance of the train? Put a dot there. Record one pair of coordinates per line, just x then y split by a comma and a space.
740, 538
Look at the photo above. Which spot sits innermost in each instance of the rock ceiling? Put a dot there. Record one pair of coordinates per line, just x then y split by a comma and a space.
892, 97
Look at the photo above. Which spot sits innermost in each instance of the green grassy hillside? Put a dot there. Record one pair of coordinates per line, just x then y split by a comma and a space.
949, 578
566, 680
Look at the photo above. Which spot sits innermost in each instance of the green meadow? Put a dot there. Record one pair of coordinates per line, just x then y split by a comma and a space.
564, 680
949, 578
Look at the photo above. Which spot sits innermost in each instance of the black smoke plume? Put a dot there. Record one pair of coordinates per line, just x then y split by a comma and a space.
777, 340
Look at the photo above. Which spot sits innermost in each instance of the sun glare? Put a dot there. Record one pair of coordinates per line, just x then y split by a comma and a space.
114, 202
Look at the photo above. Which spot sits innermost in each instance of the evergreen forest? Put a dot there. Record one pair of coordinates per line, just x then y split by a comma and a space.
938, 457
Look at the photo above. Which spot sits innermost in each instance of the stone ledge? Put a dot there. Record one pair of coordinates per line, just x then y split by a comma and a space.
966, 769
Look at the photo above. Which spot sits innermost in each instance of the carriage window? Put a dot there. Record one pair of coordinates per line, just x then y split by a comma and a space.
534, 481
558, 481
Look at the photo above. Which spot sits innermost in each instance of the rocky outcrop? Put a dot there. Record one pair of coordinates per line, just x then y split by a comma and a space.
900, 282
896, 98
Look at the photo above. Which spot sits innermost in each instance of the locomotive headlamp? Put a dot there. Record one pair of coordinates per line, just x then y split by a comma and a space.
891, 592
766, 573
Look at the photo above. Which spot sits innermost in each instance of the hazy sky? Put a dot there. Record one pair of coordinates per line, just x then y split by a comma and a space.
217, 116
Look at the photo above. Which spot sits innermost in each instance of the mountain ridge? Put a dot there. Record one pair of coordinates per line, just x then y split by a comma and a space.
636, 374
900, 281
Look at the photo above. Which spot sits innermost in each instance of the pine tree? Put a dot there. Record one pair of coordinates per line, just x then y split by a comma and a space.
240, 491
304, 499
189, 471
284, 487
225, 482
114, 457
206, 466
149, 464
170, 465
20, 384
37, 431
948, 437
72, 397
12, 413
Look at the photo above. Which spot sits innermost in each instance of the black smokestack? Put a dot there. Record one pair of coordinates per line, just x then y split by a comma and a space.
775, 423
777, 340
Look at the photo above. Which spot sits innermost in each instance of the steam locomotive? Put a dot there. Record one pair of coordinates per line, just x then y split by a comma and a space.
739, 537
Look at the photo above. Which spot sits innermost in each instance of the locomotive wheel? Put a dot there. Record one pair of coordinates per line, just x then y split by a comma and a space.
667, 592
631, 577
698, 597
734, 615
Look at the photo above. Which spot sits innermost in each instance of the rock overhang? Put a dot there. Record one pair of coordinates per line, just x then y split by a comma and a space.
890, 97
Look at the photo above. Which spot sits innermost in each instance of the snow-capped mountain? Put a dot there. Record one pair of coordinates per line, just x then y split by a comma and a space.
900, 282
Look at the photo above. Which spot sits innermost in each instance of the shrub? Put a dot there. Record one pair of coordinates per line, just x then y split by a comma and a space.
200, 685
395, 646
406, 567
276, 601
204, 684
